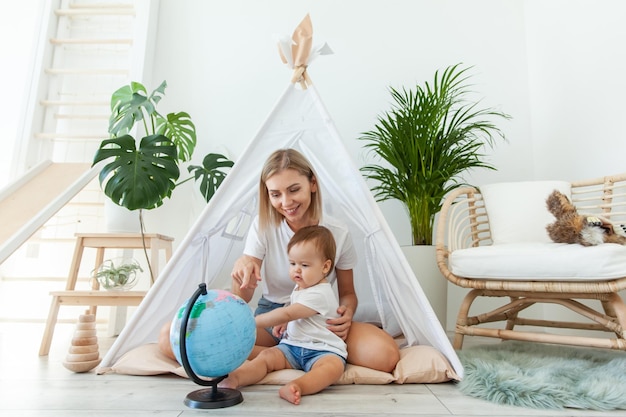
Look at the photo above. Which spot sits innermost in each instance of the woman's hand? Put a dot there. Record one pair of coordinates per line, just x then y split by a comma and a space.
341, 325
246, 275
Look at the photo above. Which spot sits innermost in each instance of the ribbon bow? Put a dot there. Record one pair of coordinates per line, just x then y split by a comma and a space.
297, 52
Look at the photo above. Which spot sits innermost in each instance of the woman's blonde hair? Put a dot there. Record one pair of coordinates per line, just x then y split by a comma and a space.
279, 161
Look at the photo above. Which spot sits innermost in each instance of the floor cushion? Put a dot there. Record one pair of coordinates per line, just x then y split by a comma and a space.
417, 364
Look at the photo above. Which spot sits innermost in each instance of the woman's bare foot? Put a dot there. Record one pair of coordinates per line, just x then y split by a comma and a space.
290, 392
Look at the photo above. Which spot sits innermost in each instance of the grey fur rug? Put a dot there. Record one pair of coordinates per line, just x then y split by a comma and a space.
545, 376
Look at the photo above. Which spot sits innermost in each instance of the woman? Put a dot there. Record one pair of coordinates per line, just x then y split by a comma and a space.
289, 199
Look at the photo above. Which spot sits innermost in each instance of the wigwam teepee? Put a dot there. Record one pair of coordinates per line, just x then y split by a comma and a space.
388, 291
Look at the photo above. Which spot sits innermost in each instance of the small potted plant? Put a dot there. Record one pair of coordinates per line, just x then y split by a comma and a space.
117, 274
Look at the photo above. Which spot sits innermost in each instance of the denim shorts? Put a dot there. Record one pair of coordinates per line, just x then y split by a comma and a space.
266, 306
303, 358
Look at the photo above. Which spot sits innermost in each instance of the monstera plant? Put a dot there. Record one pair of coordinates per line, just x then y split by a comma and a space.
142, 172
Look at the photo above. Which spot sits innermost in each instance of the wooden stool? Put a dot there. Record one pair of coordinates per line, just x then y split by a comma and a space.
95, 297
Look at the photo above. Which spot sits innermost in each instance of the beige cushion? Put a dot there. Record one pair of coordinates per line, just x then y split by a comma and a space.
517, 210
144, 360
422, 365
418, 364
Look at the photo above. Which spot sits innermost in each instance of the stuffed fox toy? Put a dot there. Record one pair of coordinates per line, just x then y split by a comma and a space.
571, 227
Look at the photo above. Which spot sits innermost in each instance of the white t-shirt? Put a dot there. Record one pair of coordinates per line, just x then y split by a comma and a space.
311, 332
271, 248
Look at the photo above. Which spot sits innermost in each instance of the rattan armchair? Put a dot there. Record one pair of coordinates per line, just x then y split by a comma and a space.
464, 225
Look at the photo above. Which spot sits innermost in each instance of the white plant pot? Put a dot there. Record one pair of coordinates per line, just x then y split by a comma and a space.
423, 262
118, 219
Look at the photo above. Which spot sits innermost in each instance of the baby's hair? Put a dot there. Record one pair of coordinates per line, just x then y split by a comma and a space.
321, 237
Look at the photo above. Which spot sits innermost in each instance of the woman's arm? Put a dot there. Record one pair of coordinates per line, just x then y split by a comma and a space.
283, 315
347, 303
246, 275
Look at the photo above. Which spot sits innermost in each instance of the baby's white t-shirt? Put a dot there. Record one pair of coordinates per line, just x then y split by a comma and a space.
271, 248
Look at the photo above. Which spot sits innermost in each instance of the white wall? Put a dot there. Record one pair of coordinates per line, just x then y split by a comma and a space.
576, 65
554, 65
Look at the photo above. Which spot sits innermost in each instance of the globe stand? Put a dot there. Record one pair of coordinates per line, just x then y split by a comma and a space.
213, 397
207, 398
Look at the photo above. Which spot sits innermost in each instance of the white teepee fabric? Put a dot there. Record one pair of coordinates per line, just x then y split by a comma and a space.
387, 288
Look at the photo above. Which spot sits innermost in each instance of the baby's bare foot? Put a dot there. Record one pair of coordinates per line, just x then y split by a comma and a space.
290, 392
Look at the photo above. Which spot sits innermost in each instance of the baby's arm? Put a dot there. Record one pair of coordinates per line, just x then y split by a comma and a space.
283, 315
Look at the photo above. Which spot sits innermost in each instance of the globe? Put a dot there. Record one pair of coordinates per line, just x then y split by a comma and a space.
220, 333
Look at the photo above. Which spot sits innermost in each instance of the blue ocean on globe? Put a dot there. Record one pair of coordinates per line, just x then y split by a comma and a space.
220, 333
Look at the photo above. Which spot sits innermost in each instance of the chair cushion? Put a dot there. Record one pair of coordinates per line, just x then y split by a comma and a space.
541, 262
517, 210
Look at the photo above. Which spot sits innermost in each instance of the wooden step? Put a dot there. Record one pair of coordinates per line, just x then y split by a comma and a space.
103, 11
88, 41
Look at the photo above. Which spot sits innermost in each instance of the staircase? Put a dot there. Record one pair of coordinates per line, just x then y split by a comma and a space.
89, 58
88, 49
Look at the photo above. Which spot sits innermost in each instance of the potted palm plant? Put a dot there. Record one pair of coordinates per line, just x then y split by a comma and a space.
430, 136
141, 172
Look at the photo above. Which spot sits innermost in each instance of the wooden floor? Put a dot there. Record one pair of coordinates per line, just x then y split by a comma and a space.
40, 386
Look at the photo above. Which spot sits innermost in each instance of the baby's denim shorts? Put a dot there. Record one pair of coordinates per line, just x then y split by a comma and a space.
303, 358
